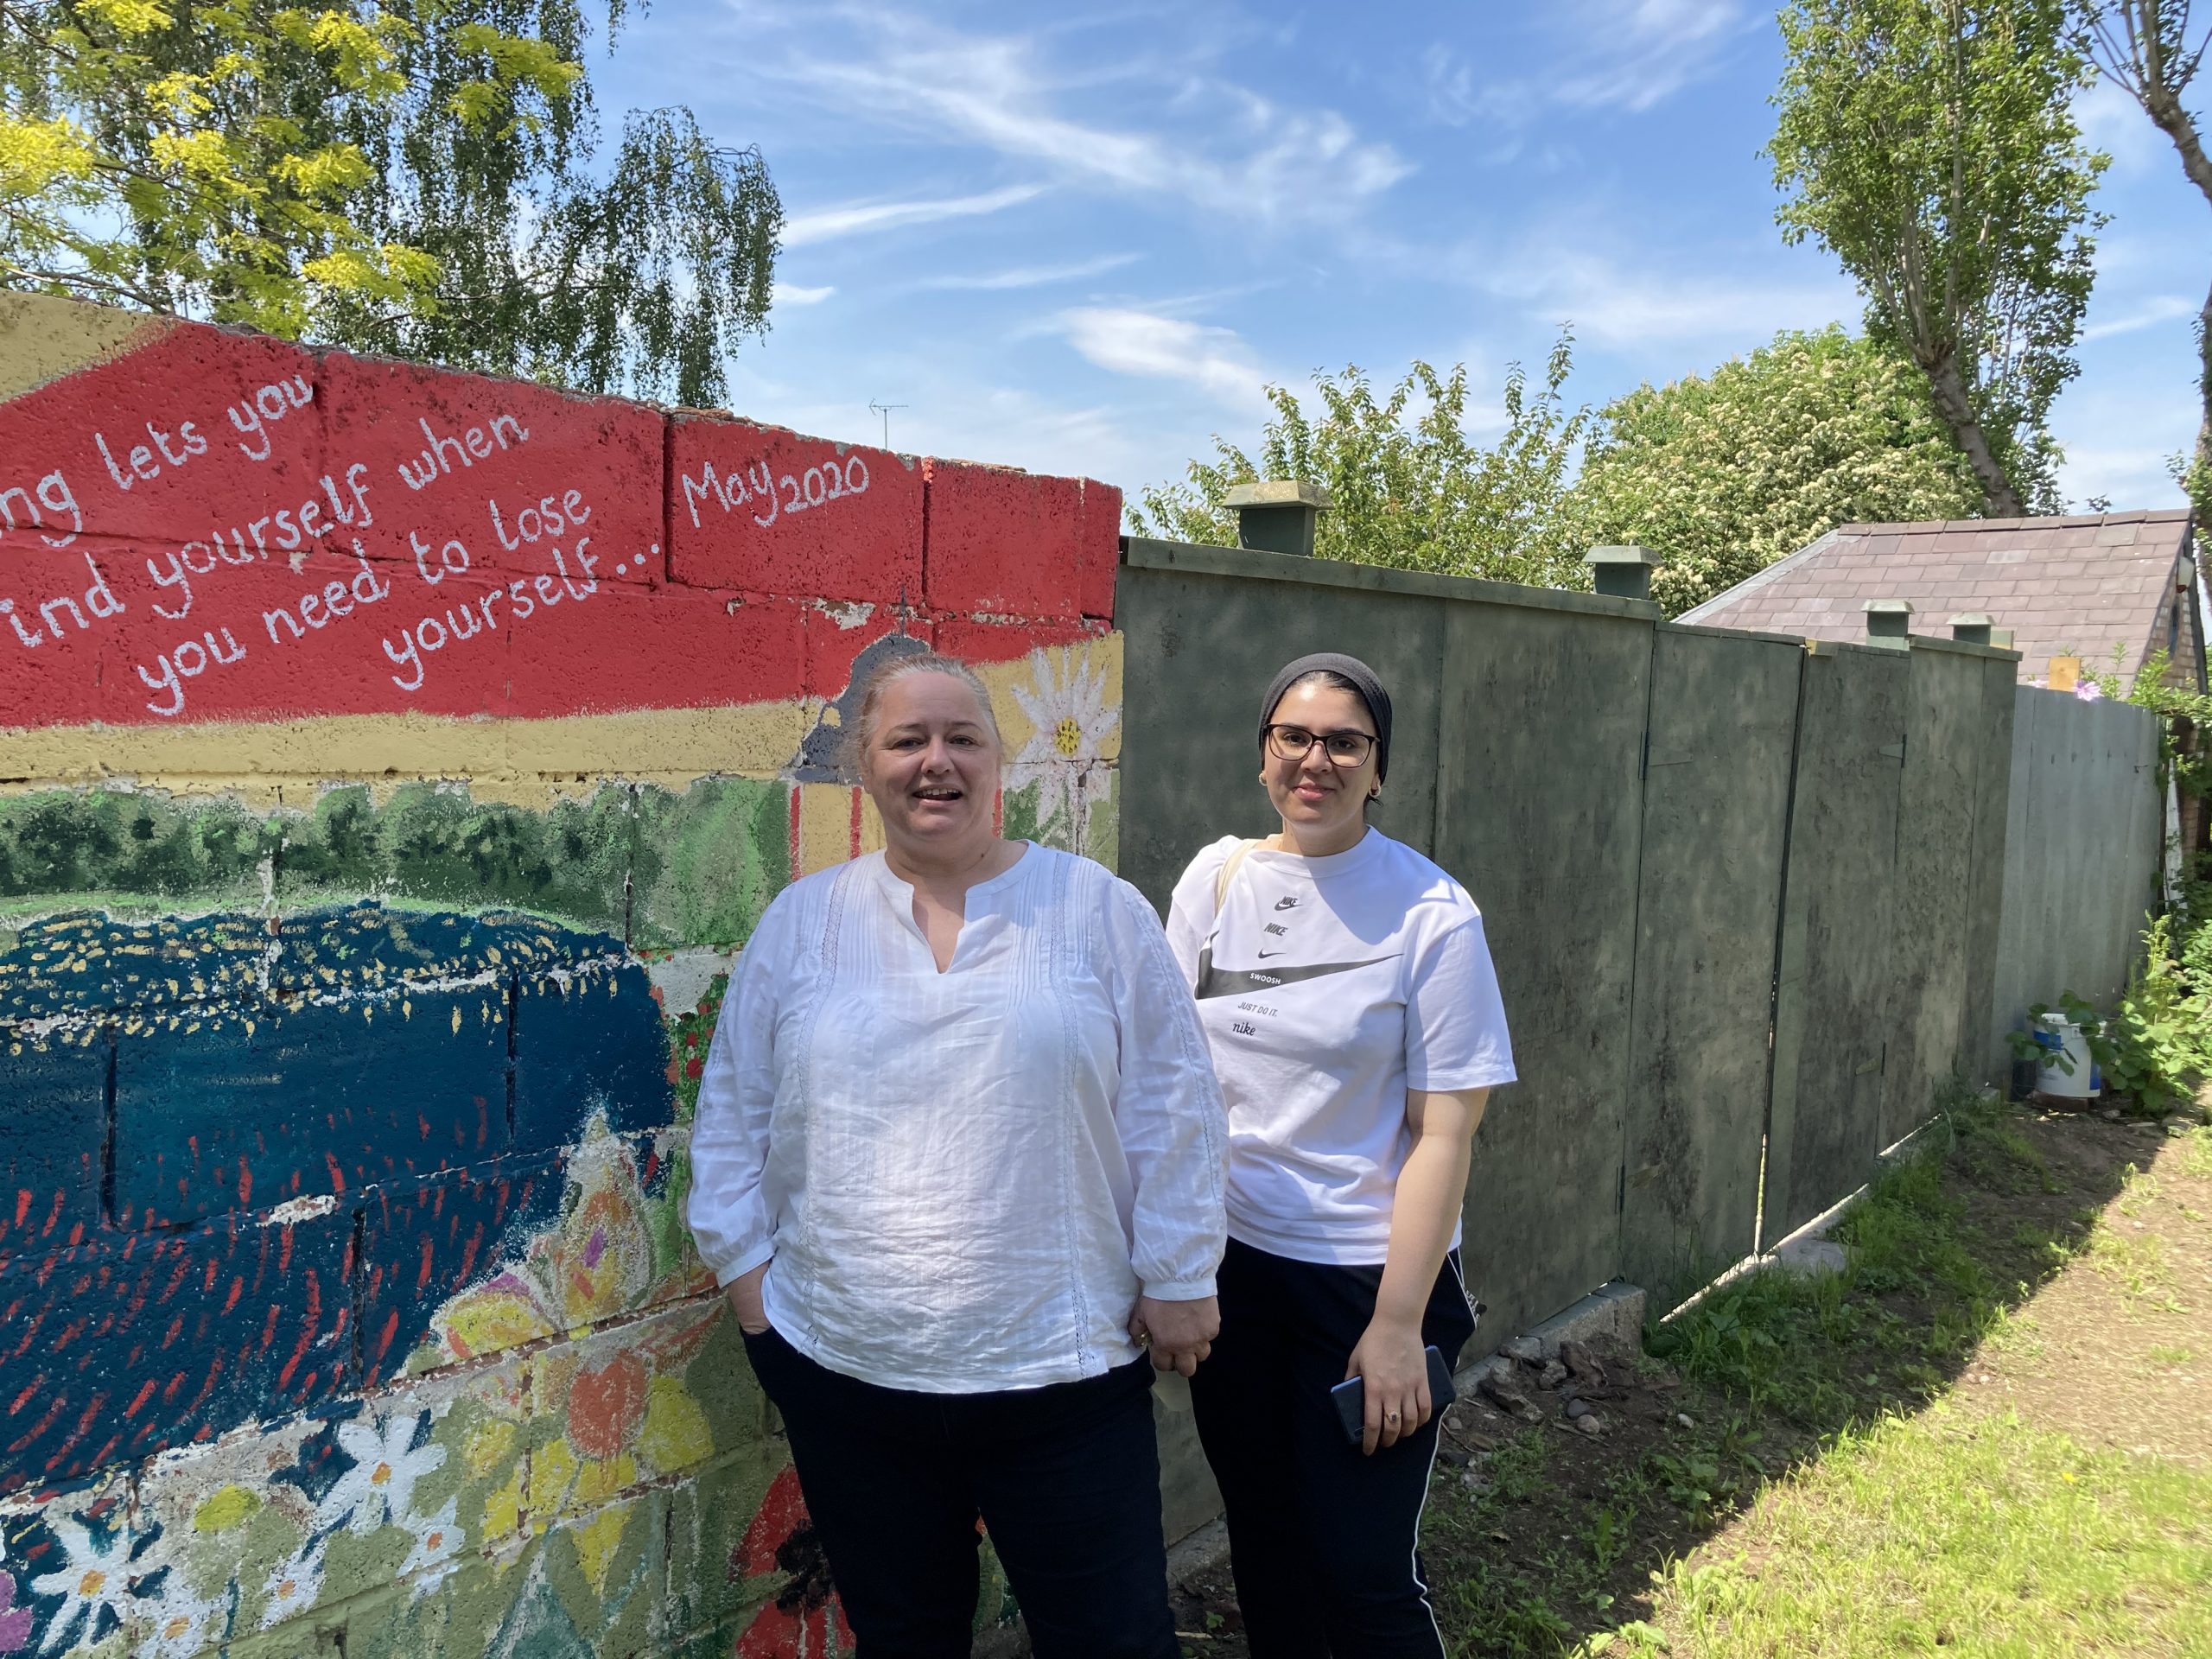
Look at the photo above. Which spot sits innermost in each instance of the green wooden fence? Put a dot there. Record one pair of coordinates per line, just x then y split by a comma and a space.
1742, 894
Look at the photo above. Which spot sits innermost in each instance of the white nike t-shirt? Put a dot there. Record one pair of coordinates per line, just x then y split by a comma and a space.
1328, 988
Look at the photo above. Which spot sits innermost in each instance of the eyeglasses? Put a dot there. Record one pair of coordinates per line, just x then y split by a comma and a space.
1343, 748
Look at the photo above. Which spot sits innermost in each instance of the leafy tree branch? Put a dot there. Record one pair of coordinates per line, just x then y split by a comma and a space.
415, 176
1930, 145
2144, 47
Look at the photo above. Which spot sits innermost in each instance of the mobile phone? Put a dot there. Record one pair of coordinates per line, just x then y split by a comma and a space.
1350, 1396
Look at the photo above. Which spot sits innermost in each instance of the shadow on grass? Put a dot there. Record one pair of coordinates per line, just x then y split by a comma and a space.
1545, 1538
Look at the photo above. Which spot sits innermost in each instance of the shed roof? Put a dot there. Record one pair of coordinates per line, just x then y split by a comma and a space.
2087, 584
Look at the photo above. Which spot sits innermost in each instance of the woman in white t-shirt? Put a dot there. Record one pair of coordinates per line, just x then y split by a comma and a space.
957, 1159
1349, 999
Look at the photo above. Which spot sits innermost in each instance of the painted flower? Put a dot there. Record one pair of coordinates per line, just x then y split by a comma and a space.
596, 1261
180, 1623
1071, 721
387, 1462
294, 1584
438, 1538
14, 1622
93, 1580
628, 1415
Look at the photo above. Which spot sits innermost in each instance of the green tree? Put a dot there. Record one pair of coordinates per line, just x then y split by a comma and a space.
2144, 47
1930, 145
1406, 486
1723, 474
415, 176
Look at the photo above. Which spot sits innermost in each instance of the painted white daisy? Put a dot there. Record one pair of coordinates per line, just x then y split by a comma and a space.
94, 1576
1069, 720
180, 1623
294, 1583
437, 1539
380, 1486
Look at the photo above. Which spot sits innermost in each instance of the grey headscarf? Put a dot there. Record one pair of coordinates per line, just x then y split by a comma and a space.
1370, 692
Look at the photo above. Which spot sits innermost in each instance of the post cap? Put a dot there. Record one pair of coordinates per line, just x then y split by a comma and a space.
1888, 620
1622, 572
1277, 515
1277, 493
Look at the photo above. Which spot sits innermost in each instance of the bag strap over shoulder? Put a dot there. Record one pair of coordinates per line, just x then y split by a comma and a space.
1228, 870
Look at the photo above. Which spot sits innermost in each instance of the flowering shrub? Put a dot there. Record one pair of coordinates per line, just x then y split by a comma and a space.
1721, 476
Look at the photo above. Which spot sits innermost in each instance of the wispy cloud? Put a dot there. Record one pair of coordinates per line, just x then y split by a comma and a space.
2117, 440
1146, 344
1217, 146
1605, 56
793, 294
2111, 120
860, 217
1034, 275
1615, 306
2163, 307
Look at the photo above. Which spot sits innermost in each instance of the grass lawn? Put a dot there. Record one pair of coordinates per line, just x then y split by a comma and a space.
1951, 1531
1991, 1435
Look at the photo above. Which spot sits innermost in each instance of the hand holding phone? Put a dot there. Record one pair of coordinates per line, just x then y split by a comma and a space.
1350, 1396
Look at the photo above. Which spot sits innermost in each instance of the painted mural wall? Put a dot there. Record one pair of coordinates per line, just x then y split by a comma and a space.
391, 763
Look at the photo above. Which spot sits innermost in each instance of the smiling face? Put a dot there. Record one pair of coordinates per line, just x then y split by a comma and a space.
930, 764
1322, 803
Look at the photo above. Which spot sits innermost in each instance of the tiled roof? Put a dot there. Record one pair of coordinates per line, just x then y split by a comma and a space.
2085, 584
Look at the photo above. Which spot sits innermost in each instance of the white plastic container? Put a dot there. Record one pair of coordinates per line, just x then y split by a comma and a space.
2079, 1083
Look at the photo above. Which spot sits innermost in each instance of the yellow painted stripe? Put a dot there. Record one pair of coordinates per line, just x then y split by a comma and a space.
529, 762
43, 338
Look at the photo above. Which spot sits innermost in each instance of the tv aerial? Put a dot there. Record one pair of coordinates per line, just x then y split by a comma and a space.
884, 410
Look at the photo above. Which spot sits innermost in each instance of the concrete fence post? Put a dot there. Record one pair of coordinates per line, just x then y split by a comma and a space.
1621, 572
1278, 516
1889, 622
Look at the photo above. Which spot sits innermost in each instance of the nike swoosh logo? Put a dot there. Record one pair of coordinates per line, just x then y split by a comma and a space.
1222, 981
1264, 955
1285, 904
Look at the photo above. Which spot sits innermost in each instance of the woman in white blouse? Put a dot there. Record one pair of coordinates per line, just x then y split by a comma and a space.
958, 1158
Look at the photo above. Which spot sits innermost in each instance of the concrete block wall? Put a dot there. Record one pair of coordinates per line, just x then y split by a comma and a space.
391, 762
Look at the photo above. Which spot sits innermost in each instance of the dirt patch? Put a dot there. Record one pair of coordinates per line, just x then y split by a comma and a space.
2117, 1350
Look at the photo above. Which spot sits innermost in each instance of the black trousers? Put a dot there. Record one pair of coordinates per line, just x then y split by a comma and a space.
1322, 1540
1067, 1477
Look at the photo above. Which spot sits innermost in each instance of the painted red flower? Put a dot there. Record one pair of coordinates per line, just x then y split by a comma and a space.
606, 1404
803, 1621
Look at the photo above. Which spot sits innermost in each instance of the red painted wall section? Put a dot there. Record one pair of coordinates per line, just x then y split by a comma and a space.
221, 526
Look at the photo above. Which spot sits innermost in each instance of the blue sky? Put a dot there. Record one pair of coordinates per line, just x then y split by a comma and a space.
1081, 239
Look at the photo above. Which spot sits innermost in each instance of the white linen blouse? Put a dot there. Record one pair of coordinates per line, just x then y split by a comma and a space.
961, 1181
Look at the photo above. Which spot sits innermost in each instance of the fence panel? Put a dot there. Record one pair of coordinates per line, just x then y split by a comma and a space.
1212, 626
1716, 811
2081, 853
1933, 903
1832, 997
1540, 815
1985, 905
